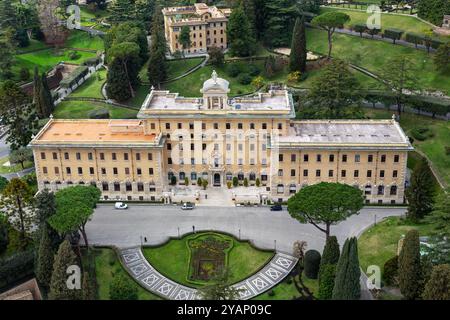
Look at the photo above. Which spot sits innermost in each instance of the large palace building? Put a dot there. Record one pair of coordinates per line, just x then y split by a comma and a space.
208, 26
218, 138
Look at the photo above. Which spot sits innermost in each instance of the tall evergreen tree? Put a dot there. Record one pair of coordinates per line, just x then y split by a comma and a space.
44, 260
88, 289
45, 208
279, 22
409, 267
346, 284
421, 192
42, 96
331, 252
298, 47
157, 67
327, 275
250, 11
58, 284
7, 59
438, 287
121, 11
240, 38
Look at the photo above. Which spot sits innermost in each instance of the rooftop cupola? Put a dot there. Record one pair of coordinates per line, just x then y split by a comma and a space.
215, 92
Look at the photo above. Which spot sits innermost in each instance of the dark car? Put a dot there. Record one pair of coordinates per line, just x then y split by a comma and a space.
276, 207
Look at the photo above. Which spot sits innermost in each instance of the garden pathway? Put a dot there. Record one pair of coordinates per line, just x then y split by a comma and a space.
149, 278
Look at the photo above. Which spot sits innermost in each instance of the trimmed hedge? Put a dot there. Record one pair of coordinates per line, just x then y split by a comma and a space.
74, 77
91, 62
360, 28
394, 34
16, 267
312, 263
414, 38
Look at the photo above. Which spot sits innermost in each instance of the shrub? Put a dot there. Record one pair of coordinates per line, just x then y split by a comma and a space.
199, 181
413, 38
233, 70
235, 182
373, 31
186, 181
229, 184
421, 133
271, 293
253, 70
331, 252
258, 82
24, 74
257, 182
245, 79
99, 114
294, 76
73, 55
173, 180
216, 56
390, 271
447, 150
245, 182
360, 28
16, 267
312, 263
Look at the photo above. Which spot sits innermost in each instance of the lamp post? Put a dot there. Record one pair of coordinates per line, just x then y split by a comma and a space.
239, 234
275, 245
178, 228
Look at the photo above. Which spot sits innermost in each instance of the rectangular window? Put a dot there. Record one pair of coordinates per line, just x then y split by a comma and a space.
356, 173
66, 156
43, 155
103, 171
150, 156
383, 158
394, 174
114, 156
331, 157
370, 158
264, 126
68, 170
293, 158
240, 126
91, 170
102, 156
280, 157
80, 170
150, 171
78, 155
125, 156
369, 173
317, 173
138, 157
292, 172
55, 156
138, 171
127, 171
305, 172
330, 173
56, 170
280, 172
305, 158
344, 158
343, 173
169, 160
228, 126
396, 158
90, 157
357, 158
169, 146
44, 170
115, 171
167, 126
319, 158
381, 173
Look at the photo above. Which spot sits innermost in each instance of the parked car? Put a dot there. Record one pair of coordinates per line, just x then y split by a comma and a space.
276, 207
120, 206
187, 206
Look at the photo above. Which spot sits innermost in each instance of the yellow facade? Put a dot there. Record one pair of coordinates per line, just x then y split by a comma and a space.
207, 26
217, 138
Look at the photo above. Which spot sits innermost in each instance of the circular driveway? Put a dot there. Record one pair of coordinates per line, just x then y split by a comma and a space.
266, 229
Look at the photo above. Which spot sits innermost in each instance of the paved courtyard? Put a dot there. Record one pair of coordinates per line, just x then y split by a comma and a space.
267, 230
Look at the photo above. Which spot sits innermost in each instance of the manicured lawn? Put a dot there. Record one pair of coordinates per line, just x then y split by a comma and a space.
34, 45
140, 95
172, 260
92, 87
408, 24
372, 56
83, 40
288, 291
190, 86
433, 147
379, 243
107, 266
47, 59
13, 168
81, 109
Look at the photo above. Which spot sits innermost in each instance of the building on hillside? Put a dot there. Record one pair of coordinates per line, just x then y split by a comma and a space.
207, 26
221, 139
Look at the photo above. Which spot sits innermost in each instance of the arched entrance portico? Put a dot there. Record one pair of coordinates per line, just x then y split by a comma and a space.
217, 180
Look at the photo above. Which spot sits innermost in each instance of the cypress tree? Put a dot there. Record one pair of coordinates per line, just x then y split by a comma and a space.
58, 284
409, 268
118, 85
298, 47
421, 192
42, 96
121, 11
37, 84
239, 33
331, 252
45, 208
44, 261
157, 66
346, 284
326, 281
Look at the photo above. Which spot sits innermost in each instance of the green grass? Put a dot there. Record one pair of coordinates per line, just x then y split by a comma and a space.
407, 23
286, 291
433, 147
13, 168
172, 260
83, 40
107, 266
140, 95
34, 45
379, 243
372, 55
45, 60
81, 109
92, 87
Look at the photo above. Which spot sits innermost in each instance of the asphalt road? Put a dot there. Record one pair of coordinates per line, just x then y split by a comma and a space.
124, 228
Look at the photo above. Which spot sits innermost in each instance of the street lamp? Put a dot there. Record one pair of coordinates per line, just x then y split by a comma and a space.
275, 244
178, 232
239, 234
